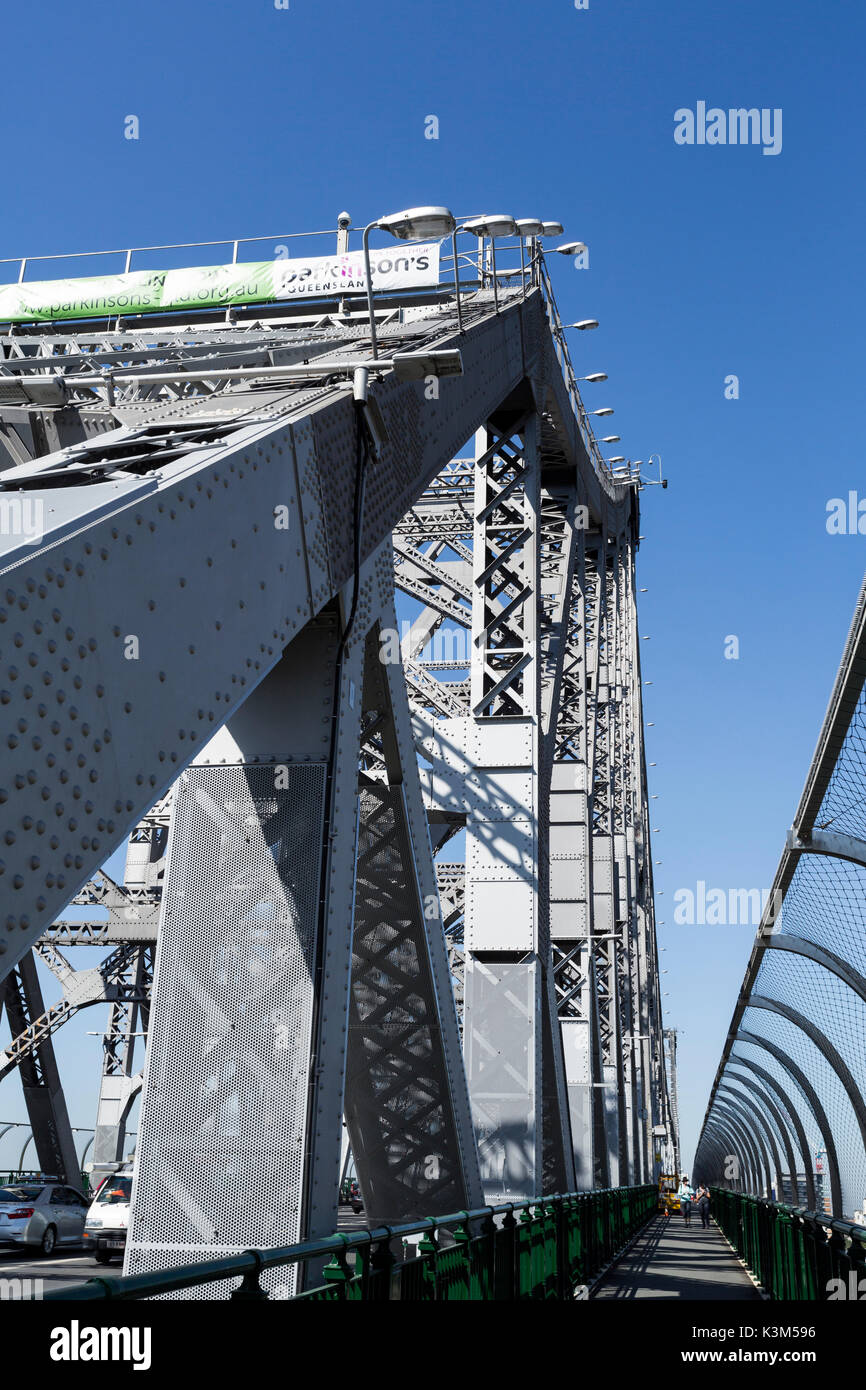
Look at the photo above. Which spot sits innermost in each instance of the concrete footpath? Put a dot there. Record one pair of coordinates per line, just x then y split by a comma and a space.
672, 1260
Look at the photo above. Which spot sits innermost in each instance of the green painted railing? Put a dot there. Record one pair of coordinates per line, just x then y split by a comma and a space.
793, 1253
551, 1248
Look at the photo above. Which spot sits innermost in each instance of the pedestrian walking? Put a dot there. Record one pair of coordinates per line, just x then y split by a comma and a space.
685, 1193
703, 1199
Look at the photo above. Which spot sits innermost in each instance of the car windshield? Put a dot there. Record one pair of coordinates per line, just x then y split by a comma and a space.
19, 1194
117, 1189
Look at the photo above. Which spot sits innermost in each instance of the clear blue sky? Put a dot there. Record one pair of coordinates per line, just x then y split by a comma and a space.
704, 262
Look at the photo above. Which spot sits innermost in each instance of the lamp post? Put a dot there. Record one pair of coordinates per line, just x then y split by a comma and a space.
492, 226
414, 224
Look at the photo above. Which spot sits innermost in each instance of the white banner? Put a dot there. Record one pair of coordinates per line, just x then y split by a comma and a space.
401, 267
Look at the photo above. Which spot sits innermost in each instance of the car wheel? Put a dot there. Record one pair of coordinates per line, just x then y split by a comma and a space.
49, 1240
102, 1257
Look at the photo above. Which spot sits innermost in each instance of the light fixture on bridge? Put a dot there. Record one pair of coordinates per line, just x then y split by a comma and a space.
605, 410
593, 376
612, 439
570, 248
617, 458
418, 224
527, 228
411, 225
582, 325
493, 226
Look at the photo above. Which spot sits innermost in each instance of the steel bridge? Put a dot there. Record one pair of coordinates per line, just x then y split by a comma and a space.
325, 603
319, 593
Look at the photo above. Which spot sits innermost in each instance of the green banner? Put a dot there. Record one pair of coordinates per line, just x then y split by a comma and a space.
139, 292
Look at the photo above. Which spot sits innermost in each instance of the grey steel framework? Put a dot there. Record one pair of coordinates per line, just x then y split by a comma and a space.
786, 1112
206, 628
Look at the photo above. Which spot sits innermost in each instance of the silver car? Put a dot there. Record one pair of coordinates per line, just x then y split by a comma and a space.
45, 1214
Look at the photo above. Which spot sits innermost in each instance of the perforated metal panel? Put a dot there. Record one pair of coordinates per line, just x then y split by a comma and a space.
503, 1064
221, 1138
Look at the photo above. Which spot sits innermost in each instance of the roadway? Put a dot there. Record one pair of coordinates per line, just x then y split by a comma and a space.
56, 1270
72, 1265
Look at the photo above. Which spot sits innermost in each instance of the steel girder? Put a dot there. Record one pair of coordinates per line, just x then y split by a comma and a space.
275, 606
329, 1020
539, 542
177, 562
43, 1093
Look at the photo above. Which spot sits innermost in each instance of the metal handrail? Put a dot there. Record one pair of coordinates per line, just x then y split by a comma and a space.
249, 1264
792, 1253
564, 359
531, 271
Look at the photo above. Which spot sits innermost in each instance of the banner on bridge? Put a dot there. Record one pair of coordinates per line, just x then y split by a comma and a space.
402, 267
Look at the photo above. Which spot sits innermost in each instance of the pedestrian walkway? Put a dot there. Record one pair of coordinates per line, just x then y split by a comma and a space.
672, 1260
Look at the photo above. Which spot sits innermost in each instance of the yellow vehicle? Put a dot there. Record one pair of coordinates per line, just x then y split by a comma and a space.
668, 1199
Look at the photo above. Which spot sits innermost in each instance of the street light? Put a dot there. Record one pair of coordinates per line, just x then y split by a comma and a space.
533, 227
605, 410
418, 224
617, 458
414, 224
594, 376
494, 225
612, 439
528, 227
583, 325
570, 248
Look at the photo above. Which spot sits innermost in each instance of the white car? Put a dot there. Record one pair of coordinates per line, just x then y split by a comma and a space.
108, 1217
42, 1213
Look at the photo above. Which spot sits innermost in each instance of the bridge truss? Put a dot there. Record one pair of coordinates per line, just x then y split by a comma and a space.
340, 626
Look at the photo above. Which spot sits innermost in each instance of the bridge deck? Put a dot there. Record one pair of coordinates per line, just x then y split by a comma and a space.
670, 1260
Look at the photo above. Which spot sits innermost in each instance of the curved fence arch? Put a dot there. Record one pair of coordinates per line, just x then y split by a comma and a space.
790, 1086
